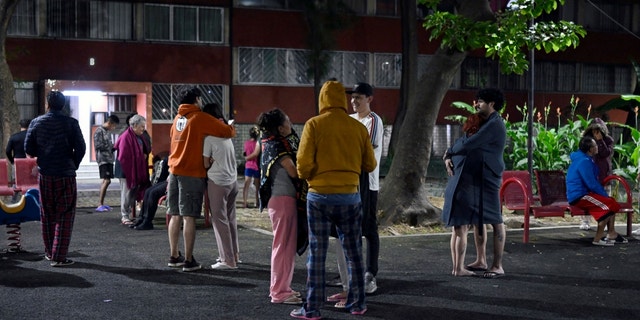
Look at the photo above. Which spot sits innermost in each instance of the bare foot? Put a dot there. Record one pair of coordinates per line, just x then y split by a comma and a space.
463, 273
476, 266
496, 270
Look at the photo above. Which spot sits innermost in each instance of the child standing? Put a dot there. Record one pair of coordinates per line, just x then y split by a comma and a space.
251, 170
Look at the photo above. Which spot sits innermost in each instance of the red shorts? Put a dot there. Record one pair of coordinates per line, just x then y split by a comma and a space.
598, 206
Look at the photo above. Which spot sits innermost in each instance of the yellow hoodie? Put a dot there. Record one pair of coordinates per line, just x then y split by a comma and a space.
334, 147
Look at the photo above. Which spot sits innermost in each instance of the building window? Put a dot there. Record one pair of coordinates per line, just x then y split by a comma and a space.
358, 6
272, 66
86, 19
606, 79
387, 8
478, 73
512, 82
623, 79
182, 23
349, 67
165, 99
121, 103
607, 17
26, 98
272, 4
110, 20
289, 66
546, 76
567, 77
23, 21
388, 70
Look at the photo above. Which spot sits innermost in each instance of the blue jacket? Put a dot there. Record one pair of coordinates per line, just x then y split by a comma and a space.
56, 140
582, 177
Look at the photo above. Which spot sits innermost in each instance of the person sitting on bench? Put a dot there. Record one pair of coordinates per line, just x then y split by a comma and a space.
585, 191
153, 194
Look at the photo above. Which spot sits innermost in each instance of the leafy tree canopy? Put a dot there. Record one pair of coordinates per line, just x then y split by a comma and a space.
507, 34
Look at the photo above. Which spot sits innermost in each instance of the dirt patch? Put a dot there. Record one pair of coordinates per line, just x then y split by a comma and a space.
252, 218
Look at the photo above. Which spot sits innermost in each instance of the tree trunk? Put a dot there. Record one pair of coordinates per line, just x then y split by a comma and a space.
409, 72
9, 114
403, 197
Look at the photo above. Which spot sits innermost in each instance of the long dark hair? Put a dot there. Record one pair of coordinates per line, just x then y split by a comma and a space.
269, 121
215, 110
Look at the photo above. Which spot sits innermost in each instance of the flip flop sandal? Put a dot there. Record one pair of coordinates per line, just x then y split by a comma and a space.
492, 275
341, 304
292, 300
336, 297
475, 269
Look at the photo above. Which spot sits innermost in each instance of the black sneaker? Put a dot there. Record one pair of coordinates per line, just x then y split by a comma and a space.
192, 265
176, 262
618, 239
64, 263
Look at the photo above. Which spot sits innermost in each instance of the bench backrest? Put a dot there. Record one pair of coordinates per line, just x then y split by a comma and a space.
512, 195
5, 189
26, 174
552, 187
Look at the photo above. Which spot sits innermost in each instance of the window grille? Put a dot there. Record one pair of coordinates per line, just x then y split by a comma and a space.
349, 67
121, 103
597, 78
546, 76
388, 70
166, 98
567, 77
478, 73
87, 19
23, 21
272, 66
26, 98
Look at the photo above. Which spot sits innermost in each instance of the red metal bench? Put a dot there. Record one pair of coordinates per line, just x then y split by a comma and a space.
5, 183
551, 200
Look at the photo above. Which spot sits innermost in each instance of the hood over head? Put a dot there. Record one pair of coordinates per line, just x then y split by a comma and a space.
332, 95
598, 124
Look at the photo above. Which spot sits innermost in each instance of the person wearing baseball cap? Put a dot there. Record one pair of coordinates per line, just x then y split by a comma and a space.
334, 150
361, 99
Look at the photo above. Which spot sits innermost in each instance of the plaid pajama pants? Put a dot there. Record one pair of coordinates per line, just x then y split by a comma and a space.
348, 219
58, 196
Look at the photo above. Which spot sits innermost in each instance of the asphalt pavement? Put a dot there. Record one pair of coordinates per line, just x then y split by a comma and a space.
122, 273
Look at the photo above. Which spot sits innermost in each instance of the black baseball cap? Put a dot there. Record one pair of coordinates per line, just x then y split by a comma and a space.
362, 88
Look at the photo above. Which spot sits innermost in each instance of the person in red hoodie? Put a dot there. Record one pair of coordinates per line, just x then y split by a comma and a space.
187, 173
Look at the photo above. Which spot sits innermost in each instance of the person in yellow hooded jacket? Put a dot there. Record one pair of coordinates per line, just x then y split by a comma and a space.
334, 149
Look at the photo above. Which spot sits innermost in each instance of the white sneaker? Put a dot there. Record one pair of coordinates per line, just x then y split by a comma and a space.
636, 232
222, 266
585, 226
370, 285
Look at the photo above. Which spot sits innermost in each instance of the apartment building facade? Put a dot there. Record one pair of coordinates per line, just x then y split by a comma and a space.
250, 56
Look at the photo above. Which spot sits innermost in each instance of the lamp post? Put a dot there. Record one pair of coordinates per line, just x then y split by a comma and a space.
531, 100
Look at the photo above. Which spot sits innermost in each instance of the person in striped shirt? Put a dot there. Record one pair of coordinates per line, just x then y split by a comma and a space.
361, 97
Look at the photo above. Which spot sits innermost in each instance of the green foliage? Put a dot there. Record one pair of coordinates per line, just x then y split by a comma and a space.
462, 106
625, 155
552, 146
507, 37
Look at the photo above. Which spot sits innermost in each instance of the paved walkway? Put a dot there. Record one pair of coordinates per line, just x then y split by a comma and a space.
121, 273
